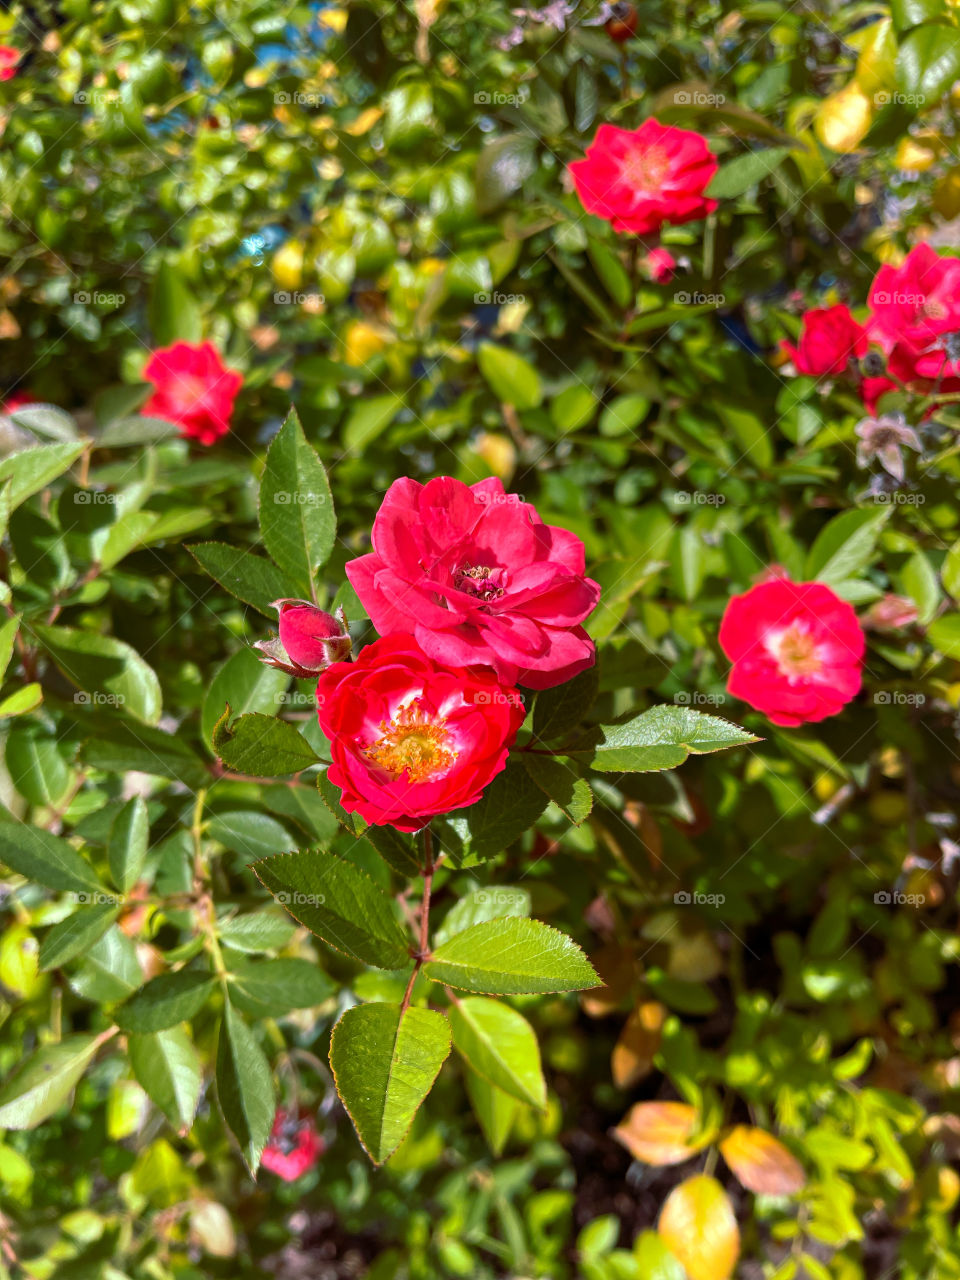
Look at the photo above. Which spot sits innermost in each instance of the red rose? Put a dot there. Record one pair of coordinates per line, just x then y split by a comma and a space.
638, 179
796, 648
661, 265
479, 579
411, 737
309, 640
872, 391
294, 1146
193, 388
829, 339
9, 61
916, 306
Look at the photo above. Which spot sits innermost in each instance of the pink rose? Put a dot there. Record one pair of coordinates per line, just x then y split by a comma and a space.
661, 265
796, 648
294, 1145
194, 388
479, 579
638, 179
915, 306
411, 737
309, 640
829, 340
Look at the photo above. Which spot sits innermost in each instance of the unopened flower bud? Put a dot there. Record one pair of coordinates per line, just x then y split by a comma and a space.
309, 640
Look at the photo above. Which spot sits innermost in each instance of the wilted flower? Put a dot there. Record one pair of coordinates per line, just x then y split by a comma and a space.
882, 438
309, 640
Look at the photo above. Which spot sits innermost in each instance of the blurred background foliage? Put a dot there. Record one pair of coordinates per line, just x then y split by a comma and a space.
365, 208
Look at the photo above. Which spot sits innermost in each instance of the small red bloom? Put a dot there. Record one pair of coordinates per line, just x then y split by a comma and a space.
638, 179
9, 61
872, 391
829, 340
294, 1146
479, 579
661, 265
193, 388
796, 648
309, 639
411, 737
916, 306
19, 400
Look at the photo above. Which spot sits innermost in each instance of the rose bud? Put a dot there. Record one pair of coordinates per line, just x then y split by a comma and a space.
309, 640
622, 23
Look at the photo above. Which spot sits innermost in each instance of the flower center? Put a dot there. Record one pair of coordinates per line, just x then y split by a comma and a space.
189, 388
795, 651
414, 742
479, 580
645, 168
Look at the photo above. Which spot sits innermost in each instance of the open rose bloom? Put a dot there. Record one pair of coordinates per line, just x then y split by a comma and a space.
194, 388
796, 648
478, 578
639, 179
294, 1147
829, 339
411, 737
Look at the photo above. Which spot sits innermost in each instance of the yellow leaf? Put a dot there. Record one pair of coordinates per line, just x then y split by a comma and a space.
660, 1132
844, 118
632, 1056
364, 122
698, 1226
761, 1162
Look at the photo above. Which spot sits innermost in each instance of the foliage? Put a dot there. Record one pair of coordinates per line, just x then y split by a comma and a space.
366, 210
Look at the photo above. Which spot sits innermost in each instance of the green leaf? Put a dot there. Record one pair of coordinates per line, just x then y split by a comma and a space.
47, 421
105, 668
558, 711
271, 988
623, 414
558, 778
950, 571
918, 578
167, 1068
71, 937
661, 738
41, 1085
251, 834
262, 746
384, 1062
398, 850
338, 902
511, 956
612, 274
8, 636
845, 545
745, 171
45, 859
944, 634
26, 698
127, 847
257, 931
244, 1087
37, 769
120, 402
513, 380
119, 745
136, 430
510, 806
110, 969
503, 166
910, 13
174, 313
483, 904
499, 1044
33, 469
166, 1001
253, 579
494, 1109
368, 419
297, 518
928, 63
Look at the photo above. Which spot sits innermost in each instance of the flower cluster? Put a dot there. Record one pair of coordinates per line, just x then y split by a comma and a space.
910, 340
472, 594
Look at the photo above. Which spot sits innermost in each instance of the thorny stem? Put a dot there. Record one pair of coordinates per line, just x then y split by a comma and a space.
424, 947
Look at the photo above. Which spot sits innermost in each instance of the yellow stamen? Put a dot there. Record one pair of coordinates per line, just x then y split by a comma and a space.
414, 743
